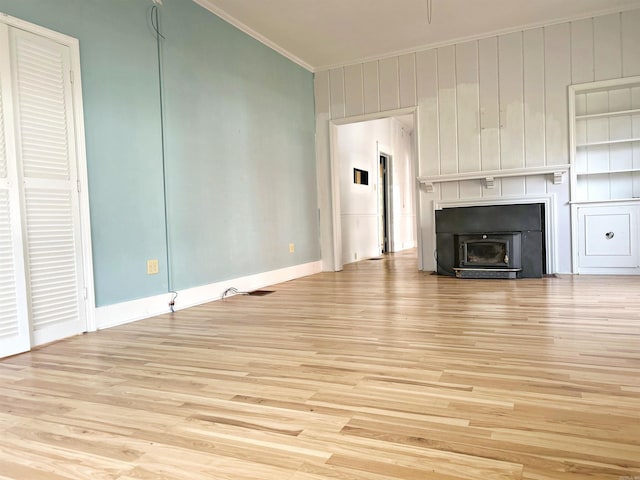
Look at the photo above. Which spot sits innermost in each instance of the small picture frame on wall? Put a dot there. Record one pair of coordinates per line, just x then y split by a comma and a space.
360, 177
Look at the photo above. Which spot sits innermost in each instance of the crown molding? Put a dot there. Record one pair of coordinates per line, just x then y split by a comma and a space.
207, 5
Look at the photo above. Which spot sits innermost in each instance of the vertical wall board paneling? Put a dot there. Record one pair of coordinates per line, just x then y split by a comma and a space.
407, 73
631, 43
389, 84
321, 92
470, 189
582, 51
353, 90
557, 53
534, 98
511, 100
427, 87
449, 191
536, 185
371, 87
513, 186
336, 85
467, 100
607, 47
448, 125
562, 225
489, 109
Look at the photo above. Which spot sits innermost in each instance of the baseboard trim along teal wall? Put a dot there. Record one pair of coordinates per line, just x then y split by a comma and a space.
131, 311
239, 137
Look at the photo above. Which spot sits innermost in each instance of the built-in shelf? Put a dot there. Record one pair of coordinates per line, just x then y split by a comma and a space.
608, 114
489, 176
608, 142
608, 172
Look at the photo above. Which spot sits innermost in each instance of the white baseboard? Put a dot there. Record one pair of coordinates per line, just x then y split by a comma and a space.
125, 312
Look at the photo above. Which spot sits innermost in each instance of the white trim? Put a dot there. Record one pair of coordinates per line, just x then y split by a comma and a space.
550, 215
479, 36
375, 116
126, 312
217, 11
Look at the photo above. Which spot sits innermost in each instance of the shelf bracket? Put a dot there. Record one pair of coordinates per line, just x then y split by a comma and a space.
428, 186
558, 177
489, 182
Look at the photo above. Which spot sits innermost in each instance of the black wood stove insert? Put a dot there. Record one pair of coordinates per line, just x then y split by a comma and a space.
498, 241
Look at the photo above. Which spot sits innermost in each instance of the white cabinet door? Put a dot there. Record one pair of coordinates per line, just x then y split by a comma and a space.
608, 237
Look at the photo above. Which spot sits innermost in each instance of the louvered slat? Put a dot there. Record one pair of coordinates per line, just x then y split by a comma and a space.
3, 147
43, 115
52, 262
9, 325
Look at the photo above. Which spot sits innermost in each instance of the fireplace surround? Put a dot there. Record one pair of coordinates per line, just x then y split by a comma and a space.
497, 241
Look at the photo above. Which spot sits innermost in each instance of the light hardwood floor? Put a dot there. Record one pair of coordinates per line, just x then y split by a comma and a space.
377, 372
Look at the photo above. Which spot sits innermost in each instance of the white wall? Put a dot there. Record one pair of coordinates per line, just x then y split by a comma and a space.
357, 145
496, 103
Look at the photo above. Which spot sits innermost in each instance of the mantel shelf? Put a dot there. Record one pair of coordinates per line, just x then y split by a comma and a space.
489, 176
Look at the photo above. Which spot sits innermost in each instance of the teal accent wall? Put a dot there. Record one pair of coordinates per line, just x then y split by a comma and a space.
240, 155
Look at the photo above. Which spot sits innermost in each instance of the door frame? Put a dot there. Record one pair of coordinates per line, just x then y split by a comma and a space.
335, 177
387, 207
81, 156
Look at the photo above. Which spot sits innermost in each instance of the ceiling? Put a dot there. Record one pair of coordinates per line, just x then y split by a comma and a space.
319, 34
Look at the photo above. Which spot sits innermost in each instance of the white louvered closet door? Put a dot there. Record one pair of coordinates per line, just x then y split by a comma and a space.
46, 161
14, 324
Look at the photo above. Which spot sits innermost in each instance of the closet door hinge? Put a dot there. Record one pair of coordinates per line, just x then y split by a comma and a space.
71, 76
85, 292
78, 185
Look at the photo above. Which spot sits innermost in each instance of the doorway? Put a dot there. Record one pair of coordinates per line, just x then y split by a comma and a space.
379, 216
384, 230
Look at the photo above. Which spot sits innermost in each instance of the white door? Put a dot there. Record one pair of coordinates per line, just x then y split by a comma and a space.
41, 263
14, 320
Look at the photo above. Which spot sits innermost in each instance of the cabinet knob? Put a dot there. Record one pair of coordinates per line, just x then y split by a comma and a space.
609, 235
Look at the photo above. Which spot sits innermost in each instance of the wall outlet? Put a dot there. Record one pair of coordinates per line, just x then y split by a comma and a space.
292, 247
152, 266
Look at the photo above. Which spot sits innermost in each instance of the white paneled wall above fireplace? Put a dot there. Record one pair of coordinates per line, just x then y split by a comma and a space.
498, 103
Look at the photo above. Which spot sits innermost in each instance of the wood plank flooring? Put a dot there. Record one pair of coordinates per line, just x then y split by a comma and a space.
377, 372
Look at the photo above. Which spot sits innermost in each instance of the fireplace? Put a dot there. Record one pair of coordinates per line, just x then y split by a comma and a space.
500, 241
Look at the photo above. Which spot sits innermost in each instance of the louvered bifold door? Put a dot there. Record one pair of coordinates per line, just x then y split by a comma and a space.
46, 161
14, 322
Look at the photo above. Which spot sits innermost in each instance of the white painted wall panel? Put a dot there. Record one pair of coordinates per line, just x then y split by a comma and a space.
407, 74
468, 105
321, 92
448, 122
427, 85
557, 53
389, 84
489, 108
607, 47
353, 90
336, 84
631, 43
510, 71
533, 50
371, 86
582, 51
